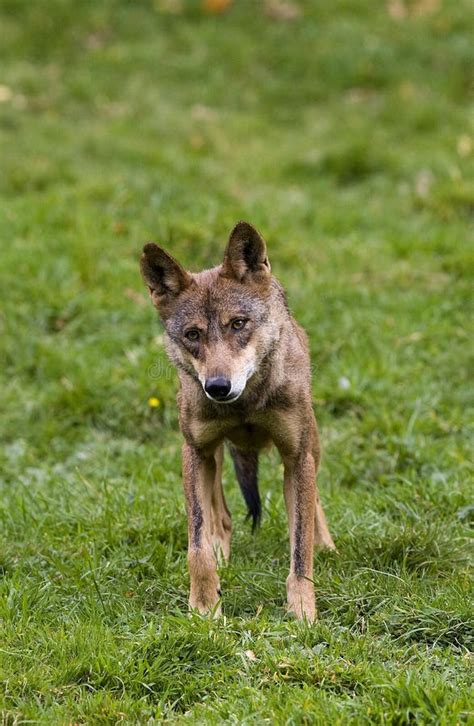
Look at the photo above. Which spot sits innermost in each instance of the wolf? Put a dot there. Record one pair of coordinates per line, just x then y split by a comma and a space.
245, 378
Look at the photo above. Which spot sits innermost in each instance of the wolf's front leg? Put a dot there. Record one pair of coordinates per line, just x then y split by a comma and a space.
300, 499
199, 472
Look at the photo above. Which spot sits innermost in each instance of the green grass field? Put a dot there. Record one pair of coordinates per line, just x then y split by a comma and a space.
343, 134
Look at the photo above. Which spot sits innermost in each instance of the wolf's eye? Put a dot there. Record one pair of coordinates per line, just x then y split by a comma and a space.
238, 324
192, 335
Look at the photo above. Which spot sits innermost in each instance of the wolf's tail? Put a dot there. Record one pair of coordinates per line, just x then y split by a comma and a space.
246, 469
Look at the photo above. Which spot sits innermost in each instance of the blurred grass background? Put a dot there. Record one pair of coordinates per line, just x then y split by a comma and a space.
343, 131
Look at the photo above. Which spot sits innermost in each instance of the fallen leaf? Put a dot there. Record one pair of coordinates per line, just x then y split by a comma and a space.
6, 94
174, 7
397, 10
214, 7
464, 145
250, 655
279, 10
425, 7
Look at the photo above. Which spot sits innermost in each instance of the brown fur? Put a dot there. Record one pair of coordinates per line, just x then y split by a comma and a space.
267, 361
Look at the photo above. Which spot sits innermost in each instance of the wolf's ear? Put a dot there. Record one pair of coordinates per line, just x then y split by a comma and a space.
163, 275
246, 255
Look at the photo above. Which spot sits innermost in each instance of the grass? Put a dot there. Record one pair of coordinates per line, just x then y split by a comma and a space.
344, 135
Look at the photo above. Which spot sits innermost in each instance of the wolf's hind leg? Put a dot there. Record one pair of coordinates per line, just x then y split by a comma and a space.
221, 519
322, 535
199, 472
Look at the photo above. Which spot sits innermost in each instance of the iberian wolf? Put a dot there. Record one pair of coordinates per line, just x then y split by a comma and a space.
245, 379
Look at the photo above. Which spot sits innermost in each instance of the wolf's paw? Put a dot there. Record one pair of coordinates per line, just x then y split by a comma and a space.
301, 600
221, 547
324, 543
205, 611
204, 598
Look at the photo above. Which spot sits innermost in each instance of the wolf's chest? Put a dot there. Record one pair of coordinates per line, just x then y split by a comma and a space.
243, 433
248, 436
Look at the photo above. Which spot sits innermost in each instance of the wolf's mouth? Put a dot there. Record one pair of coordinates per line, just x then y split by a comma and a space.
232, 397
228, 399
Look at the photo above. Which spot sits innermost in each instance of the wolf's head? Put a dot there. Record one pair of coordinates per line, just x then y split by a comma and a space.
219, 322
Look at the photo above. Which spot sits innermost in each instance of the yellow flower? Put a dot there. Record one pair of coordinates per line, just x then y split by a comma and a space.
153, 402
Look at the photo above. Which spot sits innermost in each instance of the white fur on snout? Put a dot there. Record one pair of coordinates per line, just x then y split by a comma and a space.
239, 383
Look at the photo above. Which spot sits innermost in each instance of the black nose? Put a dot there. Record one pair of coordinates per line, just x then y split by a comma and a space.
218, 388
